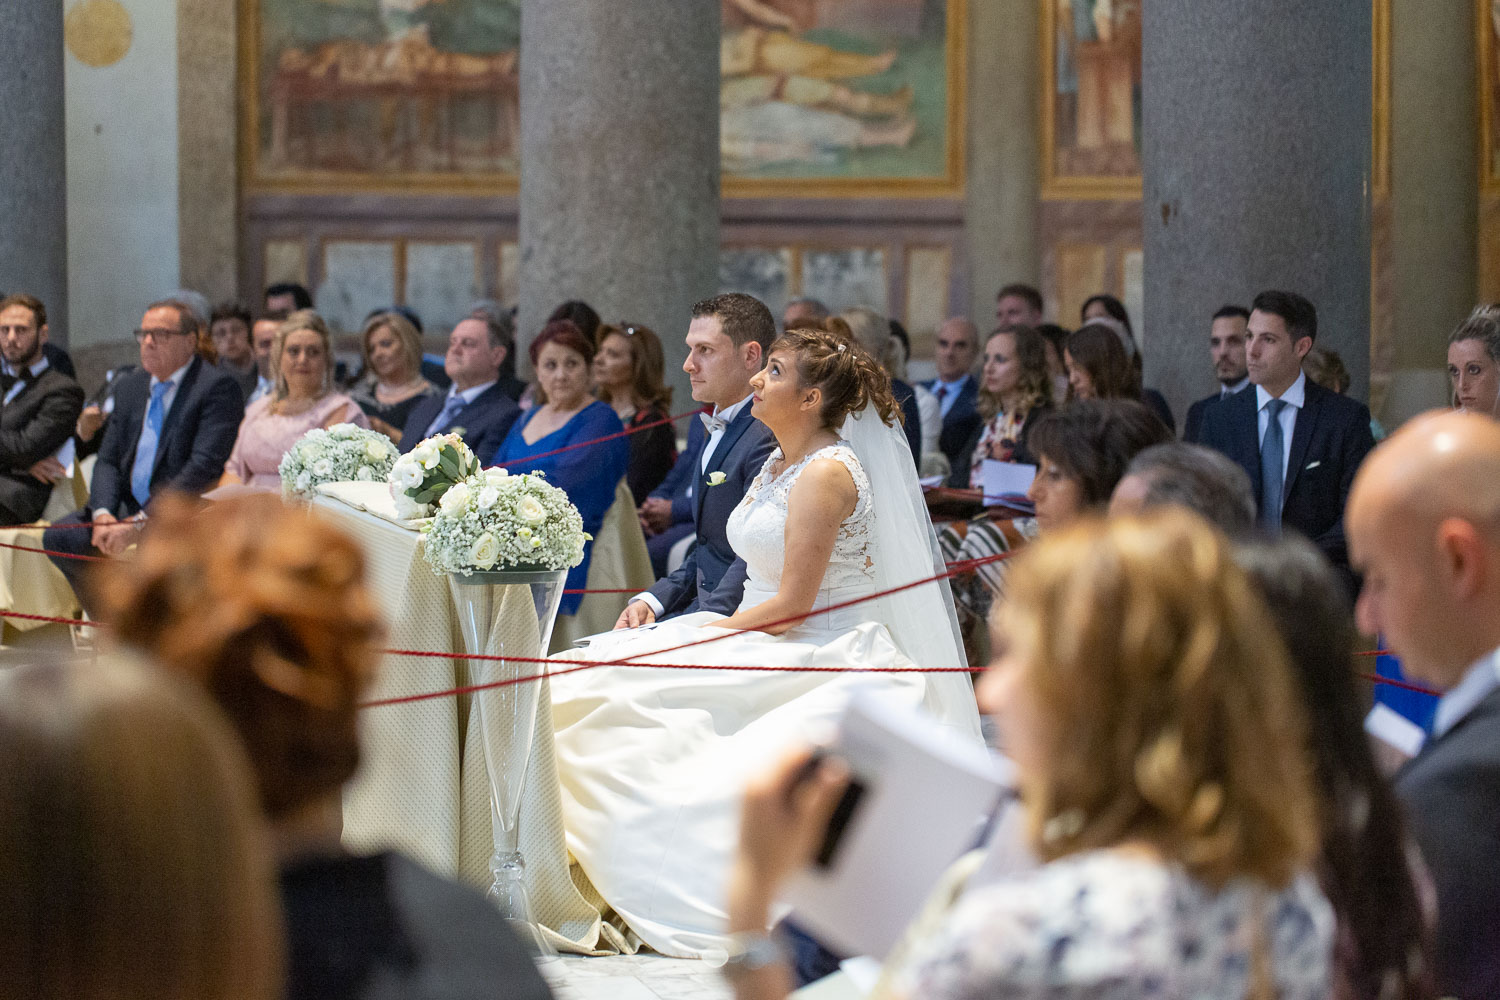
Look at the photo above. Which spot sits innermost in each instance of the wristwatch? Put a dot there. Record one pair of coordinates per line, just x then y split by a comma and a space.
750, 952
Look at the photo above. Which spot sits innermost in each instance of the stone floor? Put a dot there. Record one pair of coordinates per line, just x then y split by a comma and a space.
634, 977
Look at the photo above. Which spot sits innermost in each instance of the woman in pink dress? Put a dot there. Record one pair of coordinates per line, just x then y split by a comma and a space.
303, 399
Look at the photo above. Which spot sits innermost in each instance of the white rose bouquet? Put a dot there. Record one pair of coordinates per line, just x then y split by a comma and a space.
497, 521
340, 454
420, 478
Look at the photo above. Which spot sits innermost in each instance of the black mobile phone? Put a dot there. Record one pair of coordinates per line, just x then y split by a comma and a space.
843, 813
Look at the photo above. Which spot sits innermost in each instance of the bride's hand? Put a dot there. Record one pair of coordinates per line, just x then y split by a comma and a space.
785, 816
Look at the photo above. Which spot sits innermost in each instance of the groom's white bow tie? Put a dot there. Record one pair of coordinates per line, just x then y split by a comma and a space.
711, 423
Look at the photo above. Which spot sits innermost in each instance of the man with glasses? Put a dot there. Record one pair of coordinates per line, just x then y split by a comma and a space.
172, 429
38, 406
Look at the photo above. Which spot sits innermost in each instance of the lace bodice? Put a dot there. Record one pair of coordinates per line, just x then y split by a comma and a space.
757, 531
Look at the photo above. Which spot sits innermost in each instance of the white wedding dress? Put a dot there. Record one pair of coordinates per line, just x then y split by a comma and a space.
653, 761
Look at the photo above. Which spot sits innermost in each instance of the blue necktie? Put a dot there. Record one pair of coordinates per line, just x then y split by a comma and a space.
1272, 449
145, 450
449, 411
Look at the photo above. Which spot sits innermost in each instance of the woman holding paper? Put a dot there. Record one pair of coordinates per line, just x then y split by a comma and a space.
1015, 389
1162, 766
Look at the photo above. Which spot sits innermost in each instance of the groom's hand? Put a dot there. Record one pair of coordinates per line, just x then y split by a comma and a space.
636, 614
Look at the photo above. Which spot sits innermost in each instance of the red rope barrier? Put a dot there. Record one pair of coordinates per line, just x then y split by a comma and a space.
52, 552
600, 440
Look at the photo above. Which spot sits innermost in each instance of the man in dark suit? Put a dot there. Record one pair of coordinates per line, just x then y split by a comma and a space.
667, 514
1226, 346
476, 406
956, 388
1300, 443
727, 343
38, 406
1424, 530
173, 427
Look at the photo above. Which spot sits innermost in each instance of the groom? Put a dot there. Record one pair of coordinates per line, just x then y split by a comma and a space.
727, 343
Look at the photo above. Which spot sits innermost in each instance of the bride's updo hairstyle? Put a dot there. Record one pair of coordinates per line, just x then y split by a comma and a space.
266, 608
849, 378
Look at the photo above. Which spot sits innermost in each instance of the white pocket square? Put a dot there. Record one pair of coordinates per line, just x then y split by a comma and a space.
1313, 465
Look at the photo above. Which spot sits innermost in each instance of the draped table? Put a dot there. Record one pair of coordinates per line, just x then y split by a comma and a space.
422, 786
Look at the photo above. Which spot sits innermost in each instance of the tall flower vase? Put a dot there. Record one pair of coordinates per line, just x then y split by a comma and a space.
508, 613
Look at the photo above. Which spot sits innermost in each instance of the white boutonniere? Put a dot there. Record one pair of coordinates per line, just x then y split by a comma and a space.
715, 478
459, 431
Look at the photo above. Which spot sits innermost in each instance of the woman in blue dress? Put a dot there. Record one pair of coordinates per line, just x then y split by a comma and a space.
566, 414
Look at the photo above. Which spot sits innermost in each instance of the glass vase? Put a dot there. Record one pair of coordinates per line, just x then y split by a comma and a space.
508, 613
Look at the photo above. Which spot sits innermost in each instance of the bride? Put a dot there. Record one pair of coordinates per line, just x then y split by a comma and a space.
653, 760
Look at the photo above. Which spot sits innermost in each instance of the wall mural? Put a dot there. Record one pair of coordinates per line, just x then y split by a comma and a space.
1489, 92
1091, 98
818, 96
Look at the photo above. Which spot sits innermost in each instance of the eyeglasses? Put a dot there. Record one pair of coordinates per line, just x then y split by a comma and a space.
158, 334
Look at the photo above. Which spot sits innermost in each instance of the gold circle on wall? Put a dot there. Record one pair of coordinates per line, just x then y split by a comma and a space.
98, 32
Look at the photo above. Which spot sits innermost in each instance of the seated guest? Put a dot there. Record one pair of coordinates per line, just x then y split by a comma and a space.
302, 358
1324, 366
262, 339
38, 408
1226, 346
1474, 362
1424, 530
172, 429
873, 332
1082, 452
1161, 763
475, 405
1111, 311
286, 297
803, 312
565, 415
1191, 476
628, 371
280, 629
493, 312
1299, 443
134, 861
229, 328
392, 383
1101, 366
1014, 392
1366, 864
956, 388
1018, 305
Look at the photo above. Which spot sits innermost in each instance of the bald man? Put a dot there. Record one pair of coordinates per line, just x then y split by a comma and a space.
1424, 528
956, 351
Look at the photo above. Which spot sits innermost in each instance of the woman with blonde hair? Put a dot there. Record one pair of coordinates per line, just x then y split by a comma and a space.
1161, 750
392, 382
134, 864
628, 371
267, 609
303, 399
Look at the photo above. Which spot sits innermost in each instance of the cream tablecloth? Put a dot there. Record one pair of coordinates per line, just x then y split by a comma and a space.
29, 583
422, 787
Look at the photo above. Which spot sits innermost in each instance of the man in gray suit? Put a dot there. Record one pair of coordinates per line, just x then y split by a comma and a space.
727, 343
1424, 529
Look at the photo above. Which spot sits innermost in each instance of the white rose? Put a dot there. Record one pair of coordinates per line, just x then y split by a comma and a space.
495, 474
715, 478
485, 550
376, 451
426, 454
303, 483
408, 475
456, 499
407, 510
524, 533
342, 430
488, 496
530, 510
365, 474
322, 467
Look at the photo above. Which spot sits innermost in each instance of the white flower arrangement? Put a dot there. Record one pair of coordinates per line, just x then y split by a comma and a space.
420, 478
495, 521
340, 454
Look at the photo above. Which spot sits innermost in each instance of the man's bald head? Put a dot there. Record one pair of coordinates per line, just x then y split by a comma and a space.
1423, 522
956, 347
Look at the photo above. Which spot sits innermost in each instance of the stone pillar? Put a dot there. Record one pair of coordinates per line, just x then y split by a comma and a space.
1001, 196
620, 163
1257, 166
1434, 188
33, 184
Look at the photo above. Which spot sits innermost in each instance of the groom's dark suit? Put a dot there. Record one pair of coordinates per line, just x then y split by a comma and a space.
712, 578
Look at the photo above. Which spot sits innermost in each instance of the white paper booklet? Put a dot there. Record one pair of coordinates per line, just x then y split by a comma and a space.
1005, 478
926, 797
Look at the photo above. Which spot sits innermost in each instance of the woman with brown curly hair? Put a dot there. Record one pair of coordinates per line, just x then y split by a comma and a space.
267, 609
628, 370
652, 760
1015, 390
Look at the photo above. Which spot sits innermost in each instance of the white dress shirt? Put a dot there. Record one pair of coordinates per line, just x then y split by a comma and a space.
1294, 397
950, 391
727, 415
1482, 678
1231, 389
263, 387
37, 367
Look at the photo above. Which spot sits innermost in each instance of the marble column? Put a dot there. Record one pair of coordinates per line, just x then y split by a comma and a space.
1256, 144
620, 163
33, 185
